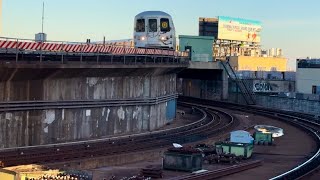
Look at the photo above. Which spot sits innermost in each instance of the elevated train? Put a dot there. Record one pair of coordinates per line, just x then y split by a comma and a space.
154, 34
154, 29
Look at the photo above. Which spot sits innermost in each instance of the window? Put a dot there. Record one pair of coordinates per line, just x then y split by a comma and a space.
140, 26
153, 25
314, 89
165, 26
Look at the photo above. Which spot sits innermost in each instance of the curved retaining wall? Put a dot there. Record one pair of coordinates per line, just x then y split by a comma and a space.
34, 127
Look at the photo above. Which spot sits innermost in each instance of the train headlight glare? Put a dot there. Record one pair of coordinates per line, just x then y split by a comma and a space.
142, 38
163, 38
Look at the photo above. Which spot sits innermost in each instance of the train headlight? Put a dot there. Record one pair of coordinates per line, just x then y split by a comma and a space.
142, 38
164, 38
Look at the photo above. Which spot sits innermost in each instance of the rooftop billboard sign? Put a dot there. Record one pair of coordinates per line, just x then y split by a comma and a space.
239, 29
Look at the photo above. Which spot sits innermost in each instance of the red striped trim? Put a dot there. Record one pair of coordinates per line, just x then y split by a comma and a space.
27, 45
87, 48
158, 51
8, 44
130, 50
12, 44
2, 44
150, 51
141, 51
109, 49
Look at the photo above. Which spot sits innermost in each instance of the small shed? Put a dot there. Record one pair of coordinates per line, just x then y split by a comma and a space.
238, 149
199, 47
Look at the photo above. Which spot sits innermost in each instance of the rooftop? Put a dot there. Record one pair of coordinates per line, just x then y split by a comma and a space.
308, 63
153, 13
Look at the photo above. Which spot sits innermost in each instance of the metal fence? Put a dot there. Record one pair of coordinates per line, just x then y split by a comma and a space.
31, 50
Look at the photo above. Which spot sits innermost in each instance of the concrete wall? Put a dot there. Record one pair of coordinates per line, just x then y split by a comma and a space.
206, 89
265, 86
290, 104
88, 88
64, 125
269, 86
25, 128
283, 103
306, 78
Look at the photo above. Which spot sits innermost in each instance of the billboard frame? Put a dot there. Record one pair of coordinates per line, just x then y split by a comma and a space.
237, 29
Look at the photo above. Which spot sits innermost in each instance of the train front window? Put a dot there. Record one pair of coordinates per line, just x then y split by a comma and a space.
140, 27
153, 25
165, 27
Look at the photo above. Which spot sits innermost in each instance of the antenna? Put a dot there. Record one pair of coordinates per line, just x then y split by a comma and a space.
42, 16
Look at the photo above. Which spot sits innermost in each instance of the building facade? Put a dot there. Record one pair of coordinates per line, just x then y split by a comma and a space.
199, 47
308, 76
249, 63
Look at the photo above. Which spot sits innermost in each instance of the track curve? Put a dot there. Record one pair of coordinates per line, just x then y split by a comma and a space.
211, 123
306, 122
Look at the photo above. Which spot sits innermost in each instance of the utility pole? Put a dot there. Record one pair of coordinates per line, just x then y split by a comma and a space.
0, 17
42, 17
42, 34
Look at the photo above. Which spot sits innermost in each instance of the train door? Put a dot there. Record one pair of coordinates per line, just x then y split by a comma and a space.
152, 32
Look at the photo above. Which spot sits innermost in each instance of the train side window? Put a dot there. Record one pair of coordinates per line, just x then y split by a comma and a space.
164, 24
153, 25
140, 27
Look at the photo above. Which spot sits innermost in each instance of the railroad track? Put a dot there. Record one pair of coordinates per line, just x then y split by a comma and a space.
213, 121
220, 172
306, 122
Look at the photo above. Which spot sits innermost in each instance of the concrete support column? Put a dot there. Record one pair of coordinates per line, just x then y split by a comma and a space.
225, 85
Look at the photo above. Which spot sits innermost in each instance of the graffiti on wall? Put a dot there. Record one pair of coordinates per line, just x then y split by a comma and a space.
265, 86
262, 87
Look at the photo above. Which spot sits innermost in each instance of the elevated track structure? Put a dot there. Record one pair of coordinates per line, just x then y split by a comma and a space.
44, 84
24, 50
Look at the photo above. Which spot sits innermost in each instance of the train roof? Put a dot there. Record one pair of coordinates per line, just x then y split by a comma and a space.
153, 13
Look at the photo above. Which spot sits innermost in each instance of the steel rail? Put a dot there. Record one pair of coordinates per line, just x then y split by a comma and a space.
220, 172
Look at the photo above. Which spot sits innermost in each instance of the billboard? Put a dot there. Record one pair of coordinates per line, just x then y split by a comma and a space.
239, 29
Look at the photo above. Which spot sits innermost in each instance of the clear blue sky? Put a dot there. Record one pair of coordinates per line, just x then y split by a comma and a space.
293, 25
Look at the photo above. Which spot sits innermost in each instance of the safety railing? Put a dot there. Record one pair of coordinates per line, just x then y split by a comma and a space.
248, 95
22, 48
78, 47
